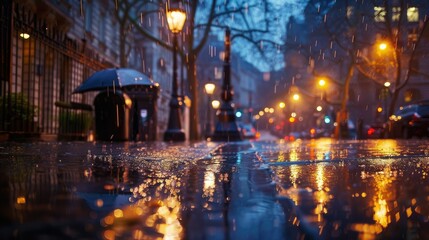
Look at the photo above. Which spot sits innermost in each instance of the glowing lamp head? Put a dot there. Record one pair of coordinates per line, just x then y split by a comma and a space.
176, 19
295, 97
215, 104
209, 87
382, 46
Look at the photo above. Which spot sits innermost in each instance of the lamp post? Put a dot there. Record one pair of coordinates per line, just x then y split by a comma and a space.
386, 96
175, 19
322, 85
209, 87
226, 127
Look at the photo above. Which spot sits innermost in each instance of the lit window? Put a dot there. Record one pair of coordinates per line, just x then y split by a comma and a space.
413, 14
396, 13
379, 14
349, 11
218, 73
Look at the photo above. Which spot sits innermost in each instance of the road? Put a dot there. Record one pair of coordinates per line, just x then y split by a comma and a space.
266, 189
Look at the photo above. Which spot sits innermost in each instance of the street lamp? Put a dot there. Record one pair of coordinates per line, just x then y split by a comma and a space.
175, 19
386, 96
295, 97
226, 126
322, 82
215, 104
322, 85
382, 46
209, 87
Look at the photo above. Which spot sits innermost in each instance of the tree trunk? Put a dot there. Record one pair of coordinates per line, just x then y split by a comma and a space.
398, 85
341, 130
194, 118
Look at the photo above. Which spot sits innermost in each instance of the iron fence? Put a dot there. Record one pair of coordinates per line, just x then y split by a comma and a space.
40, 67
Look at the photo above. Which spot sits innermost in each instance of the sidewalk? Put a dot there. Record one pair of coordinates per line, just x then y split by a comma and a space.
316, 189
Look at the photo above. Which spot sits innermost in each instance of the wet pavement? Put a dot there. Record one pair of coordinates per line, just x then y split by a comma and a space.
312, 189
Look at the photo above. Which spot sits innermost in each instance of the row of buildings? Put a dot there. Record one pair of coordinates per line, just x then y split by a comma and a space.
339, 41
49, 47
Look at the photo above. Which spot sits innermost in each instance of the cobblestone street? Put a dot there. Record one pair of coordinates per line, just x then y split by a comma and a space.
265, 189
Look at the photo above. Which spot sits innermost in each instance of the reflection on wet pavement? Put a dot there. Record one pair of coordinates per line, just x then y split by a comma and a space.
322, 188
364, 190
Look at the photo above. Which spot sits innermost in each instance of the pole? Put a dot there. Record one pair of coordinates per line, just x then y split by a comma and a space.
226, 127
209, 116
174, 131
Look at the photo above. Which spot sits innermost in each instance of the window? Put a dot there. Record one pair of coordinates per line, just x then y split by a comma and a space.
379, 14
413, 14
102, 28
350, 11
88, 16
396, 13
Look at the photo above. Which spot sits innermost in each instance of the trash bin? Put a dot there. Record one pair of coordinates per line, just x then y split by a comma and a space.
143, 114
112, 110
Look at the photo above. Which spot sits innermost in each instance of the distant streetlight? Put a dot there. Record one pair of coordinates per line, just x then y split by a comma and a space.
387, 84
24, 35
209, 87
282, 105
382, 46
176, 20
215, 104
295, 97
322, 84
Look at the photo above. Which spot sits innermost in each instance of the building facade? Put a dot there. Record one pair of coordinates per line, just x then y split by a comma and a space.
336, 36
49, 48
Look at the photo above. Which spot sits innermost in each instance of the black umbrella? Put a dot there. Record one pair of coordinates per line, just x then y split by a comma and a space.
113, 78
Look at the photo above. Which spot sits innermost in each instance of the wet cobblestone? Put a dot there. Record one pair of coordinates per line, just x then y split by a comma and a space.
323, 189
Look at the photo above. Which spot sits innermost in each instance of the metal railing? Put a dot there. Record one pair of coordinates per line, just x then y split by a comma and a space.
40, 67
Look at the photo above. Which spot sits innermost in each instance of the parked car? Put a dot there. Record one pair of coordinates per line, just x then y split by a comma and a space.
247, 130
409, 121
374, 131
